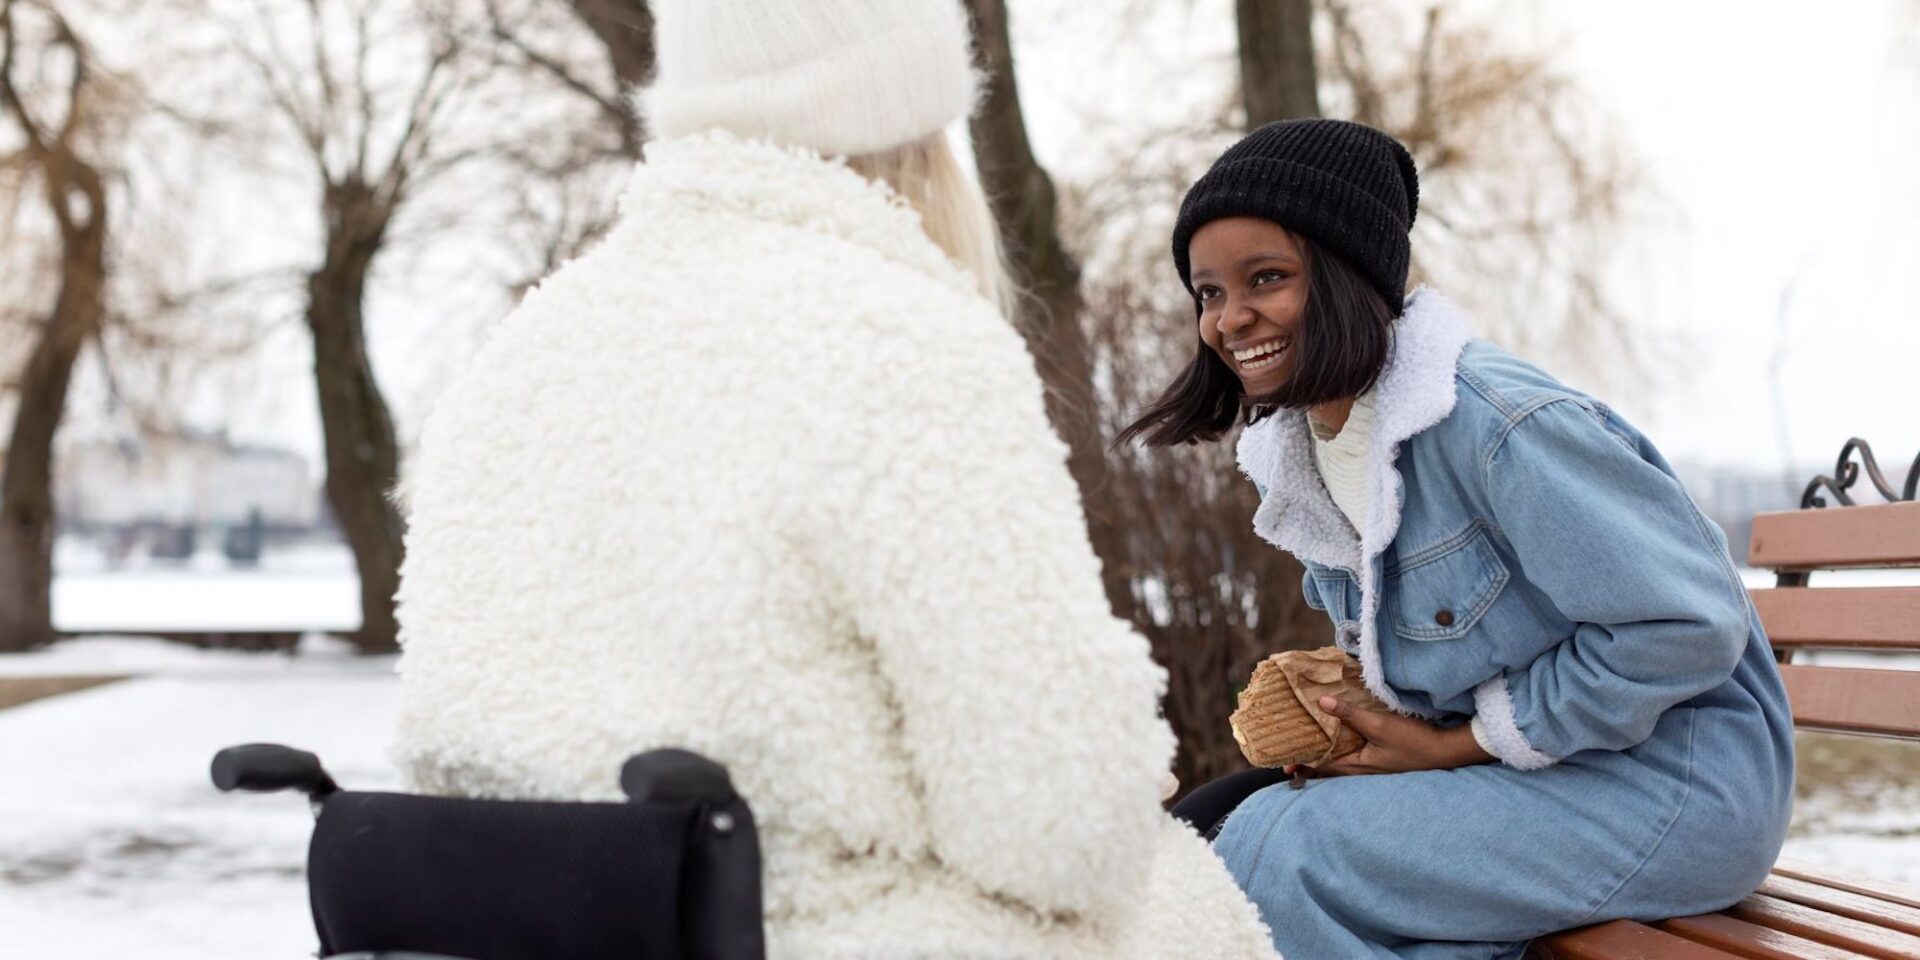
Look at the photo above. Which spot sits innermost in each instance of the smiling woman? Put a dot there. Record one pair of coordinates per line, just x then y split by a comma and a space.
1563, 651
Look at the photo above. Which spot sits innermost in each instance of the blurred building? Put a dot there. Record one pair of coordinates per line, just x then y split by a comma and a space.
158, 496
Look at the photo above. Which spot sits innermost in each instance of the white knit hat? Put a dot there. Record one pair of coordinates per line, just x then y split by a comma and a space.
843, 77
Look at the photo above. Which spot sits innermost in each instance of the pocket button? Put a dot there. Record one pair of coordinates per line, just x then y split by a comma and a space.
1444, 618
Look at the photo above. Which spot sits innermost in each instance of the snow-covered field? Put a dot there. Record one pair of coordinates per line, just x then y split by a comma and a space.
310, 589
114, 844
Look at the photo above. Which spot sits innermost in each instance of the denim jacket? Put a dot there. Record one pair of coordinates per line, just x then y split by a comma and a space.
1529, 560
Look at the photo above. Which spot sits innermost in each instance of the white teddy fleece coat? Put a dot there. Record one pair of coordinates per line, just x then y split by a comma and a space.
763, 477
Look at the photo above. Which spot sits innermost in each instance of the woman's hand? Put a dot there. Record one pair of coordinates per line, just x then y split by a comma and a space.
1397, 744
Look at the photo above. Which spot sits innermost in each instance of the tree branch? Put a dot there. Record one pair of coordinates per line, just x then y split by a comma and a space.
416, 139
322, 65
9, 93
310, 129
614, 107
361, 44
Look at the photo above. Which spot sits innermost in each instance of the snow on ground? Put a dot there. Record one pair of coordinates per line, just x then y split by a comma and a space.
110, 655
113, 841
312, 588
1884, 846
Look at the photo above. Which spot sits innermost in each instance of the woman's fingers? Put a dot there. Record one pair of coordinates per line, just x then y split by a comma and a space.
1367, 723
1352, 763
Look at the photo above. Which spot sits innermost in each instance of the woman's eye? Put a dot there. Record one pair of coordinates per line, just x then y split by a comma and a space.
1268, 276
1207, 293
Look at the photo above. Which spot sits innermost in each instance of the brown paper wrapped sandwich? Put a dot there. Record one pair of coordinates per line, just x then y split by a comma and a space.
1280, 721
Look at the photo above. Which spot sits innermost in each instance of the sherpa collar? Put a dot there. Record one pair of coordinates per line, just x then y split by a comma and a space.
1415, 391
720, 172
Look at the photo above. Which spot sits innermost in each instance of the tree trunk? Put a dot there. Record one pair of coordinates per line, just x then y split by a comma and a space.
1186, 548
27, 521
1277, 80
363, 457
1214, 650
1023, 200
625, 28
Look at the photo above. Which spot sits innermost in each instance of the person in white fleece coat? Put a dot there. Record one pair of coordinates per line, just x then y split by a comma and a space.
766, 476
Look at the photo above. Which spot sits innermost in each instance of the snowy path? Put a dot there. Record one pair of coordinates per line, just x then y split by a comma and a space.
113, 843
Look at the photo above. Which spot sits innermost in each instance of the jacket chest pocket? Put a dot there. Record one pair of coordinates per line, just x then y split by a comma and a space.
1439, 593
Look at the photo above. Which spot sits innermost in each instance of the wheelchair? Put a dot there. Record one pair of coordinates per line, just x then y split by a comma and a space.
671, 874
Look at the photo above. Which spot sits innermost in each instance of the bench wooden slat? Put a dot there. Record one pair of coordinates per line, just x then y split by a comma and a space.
1844, 932
1846, 903
1876, 535
1754, 941
1859, 618
1622, 940
1879, 890
1852, 700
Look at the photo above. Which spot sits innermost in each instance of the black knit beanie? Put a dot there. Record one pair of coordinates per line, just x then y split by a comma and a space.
1345, 186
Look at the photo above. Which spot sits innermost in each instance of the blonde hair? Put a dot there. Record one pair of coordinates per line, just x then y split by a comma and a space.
953, 211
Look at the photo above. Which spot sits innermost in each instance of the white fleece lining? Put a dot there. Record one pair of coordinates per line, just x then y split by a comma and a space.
1493, 717
1416, 390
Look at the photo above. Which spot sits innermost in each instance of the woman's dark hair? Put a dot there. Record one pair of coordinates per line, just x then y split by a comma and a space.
1345, 333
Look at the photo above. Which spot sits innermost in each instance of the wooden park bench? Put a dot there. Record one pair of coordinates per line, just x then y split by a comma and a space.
1802, 913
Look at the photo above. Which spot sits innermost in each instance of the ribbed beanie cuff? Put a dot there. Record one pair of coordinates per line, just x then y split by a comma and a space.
842, 78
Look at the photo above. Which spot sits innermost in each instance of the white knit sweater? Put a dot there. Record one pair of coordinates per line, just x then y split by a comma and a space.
1341, 456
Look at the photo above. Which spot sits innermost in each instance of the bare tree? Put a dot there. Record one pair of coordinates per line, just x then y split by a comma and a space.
368, 121
527, 34
1184, 567
1277, 77
1024, 203
1213, 598
50, 131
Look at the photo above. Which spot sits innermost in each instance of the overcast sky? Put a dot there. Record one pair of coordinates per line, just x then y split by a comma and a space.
1780, 139
1788, 136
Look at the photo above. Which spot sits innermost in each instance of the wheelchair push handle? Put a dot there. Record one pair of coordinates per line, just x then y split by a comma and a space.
674, 774
266, 767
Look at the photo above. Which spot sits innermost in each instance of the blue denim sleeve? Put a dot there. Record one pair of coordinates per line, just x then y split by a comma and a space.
1614, 540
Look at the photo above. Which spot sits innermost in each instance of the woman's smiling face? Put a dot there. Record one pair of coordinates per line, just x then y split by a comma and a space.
1251, 278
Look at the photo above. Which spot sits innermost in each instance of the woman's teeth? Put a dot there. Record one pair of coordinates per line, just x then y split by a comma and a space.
1259, 356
